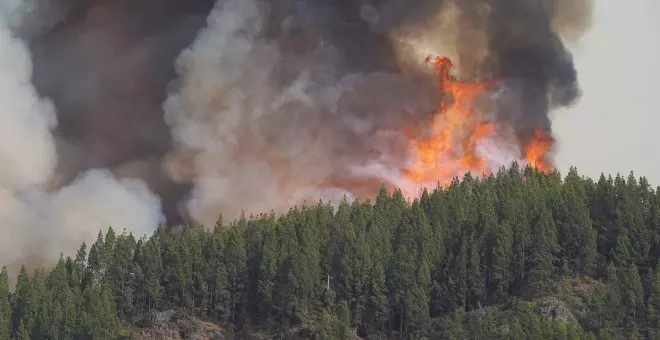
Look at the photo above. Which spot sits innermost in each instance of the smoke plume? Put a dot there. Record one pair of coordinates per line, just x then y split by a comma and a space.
114, 107
37, 223
299, 100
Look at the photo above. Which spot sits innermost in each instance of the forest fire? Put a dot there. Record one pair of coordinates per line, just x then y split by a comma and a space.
457, 130
537, 150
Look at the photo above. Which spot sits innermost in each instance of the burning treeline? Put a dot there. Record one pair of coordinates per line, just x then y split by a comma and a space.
318, 100
251, 105
457, 130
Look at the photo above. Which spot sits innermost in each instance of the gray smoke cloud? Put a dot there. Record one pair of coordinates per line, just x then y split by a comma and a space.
297, 100
37, 223
522, 43
106, 65
218, 107
272, 116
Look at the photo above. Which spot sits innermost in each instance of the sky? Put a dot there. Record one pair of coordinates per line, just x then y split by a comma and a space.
615, 127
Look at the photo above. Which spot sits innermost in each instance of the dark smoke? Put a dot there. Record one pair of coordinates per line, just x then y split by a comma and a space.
279, 101
106, 66
529, 55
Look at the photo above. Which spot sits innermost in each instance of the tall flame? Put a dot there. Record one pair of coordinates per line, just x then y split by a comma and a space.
449, 146
537, 150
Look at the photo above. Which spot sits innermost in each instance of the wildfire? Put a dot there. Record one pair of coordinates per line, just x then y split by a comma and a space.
537, 150
449, 147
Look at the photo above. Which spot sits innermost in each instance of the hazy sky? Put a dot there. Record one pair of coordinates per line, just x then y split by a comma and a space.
616, 125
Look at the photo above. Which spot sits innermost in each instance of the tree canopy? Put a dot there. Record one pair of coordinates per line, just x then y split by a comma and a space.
465, 261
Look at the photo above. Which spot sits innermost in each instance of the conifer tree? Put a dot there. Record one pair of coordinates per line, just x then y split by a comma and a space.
22, 333
446, 265
653, 304
24, 301
5, 307
542, 259
344, 321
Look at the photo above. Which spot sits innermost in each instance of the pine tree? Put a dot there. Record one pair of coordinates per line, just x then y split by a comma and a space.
578, 237
611, 312
475, 274
5, 307
542, 257
344, 321
102, 320
236, 269
22, 333
501, 254
535, 331
511, 204
623, 252
547, 328
327, 329
24, 301
515, 330
653, 303
457, 331
489, 328
267, 270
95, 262
605, 215
633, 293
416, 305
78, 268
377, 311
121, 273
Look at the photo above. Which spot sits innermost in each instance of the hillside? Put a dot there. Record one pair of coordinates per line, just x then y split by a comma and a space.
516, 255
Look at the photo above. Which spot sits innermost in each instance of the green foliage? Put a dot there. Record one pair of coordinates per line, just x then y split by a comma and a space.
457, 262
5, 307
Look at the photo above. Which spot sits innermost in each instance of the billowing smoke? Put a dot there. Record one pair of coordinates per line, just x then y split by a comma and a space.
218, 107
292, 100
106, 65
272, 114
37, 224
519, 42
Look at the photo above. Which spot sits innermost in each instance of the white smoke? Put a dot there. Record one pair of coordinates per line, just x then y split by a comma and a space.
212, 115
268, 128
35, 223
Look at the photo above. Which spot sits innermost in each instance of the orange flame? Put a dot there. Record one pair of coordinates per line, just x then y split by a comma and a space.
455, 132
537, 150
